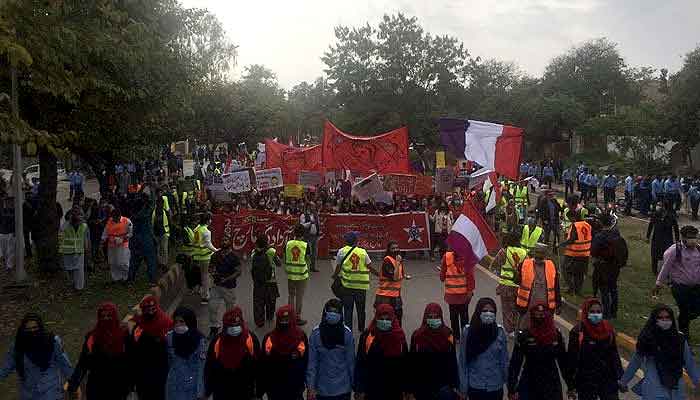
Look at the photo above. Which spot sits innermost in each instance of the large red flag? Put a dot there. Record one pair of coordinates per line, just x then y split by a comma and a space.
292, 159
386, 153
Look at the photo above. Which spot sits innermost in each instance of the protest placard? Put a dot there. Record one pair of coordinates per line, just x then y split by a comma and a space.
266, 179
310, 179
440, 159
444, 180
237, 181
367, 187
294, 191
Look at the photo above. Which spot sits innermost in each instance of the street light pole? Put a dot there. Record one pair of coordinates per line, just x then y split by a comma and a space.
20, 272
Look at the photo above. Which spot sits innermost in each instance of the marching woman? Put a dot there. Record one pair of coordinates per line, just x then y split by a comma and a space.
483, 356
231, 360
432, 357
186, 354
331, 356
662, 353
594, 362
104, 359
284, 359
540, 353
148, 354
39, 360
381, 371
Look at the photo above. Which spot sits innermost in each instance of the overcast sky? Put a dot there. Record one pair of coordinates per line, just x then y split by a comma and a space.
290, 37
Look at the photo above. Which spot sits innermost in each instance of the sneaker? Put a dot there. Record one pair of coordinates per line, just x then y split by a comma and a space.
301, 322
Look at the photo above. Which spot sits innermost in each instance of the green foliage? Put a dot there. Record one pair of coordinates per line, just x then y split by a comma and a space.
682, 108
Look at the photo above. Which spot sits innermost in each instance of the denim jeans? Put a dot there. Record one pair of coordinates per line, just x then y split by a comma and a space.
356, 297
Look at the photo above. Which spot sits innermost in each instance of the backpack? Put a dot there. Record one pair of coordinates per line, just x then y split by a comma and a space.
261, 268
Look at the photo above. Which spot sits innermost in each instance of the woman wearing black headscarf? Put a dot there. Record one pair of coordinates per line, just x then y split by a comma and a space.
662, 353
432, 357
483, 355
186, 355
662, 232
39, 360
331, 356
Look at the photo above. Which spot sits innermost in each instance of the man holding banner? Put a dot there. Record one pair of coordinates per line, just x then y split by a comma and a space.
296, 261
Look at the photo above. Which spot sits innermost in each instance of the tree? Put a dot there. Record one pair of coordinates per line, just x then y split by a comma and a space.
682, 108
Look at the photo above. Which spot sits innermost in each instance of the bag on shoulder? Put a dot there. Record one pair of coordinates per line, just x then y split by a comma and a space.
337, 286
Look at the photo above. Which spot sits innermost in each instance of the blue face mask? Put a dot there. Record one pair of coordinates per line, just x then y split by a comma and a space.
384, 325
487, 317
433, 323
234, 330
332, 318
595, 318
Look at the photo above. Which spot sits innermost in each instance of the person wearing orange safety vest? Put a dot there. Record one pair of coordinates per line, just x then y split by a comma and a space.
284, 358
117, 233
230, 368
538, 282
459, 289
391, 277
577, 253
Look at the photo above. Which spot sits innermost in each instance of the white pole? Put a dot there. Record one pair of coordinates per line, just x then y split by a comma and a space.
20, 273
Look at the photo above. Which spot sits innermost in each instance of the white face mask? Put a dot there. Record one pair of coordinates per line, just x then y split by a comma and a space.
181, 329
234, 330
664, 324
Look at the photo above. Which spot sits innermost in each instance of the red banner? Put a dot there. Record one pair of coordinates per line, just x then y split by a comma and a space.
411, 230
292, 160
419, 185
387, 153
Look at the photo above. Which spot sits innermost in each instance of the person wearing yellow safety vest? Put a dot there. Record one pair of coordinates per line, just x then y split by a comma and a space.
160, 219
538, 282
203, 250
353, 267
75, 243
509, 258
573, 203
391, 276
193, 277
577, 252
296, 263
531, 234
522, 198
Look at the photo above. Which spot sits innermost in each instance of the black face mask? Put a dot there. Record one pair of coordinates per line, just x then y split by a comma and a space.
283, 326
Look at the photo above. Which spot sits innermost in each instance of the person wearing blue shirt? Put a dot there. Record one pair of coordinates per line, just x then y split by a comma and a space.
672, 188
187, 352
38, 358
568, 179
532, 170
524, 168
331, 364
657, 190
76, 184
694, 198
483, 354
548, 175
629, 194
582, 185
609, 186
663, 354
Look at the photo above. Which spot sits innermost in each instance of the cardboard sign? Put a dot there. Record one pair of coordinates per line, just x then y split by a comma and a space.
400, 183
267, 179
294, 191
237, 181
424, 185
310, 179
444, 180
439, 159
368, 187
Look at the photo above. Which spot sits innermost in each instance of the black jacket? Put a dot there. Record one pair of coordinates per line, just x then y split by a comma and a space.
223, 383
430, 372
594, 365
380, 377
282, 376
540, 366
109, 376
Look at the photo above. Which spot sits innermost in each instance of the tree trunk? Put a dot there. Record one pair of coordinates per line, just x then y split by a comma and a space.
48, 219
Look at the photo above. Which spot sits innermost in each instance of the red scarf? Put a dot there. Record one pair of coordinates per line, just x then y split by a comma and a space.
603, 330
544, 331
390, 342
285, 342
432, 340
233, 349
156, 326
108, 335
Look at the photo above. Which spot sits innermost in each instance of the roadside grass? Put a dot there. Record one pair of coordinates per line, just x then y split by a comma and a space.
635, 284
66, 313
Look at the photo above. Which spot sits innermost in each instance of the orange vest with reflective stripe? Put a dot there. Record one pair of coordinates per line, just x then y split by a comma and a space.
115, 230
301, 347
248, 344
391, 286
527, 274
455, 280
582, 246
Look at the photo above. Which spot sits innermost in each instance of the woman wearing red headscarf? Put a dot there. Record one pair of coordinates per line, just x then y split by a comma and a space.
593, 357
539, 351
381, 370
433, 357
148, 352
104, 359
231, 360
284, 359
